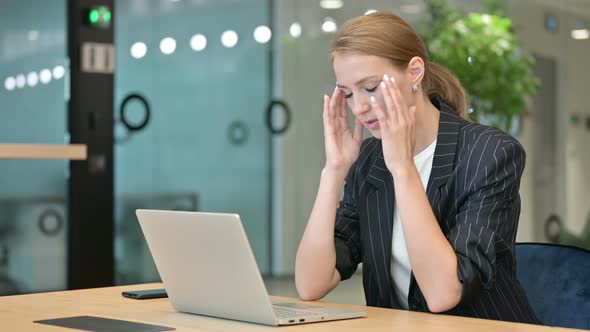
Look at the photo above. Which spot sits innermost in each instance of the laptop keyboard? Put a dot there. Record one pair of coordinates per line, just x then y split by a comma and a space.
285, 313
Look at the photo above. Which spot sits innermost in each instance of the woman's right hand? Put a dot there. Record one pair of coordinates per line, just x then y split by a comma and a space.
342, 145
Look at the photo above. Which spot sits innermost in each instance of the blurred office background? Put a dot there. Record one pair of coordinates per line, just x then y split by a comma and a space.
215, 140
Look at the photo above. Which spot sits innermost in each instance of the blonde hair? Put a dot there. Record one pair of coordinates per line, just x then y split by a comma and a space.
389, 36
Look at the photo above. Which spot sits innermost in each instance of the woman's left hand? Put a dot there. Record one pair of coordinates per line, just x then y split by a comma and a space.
397, 123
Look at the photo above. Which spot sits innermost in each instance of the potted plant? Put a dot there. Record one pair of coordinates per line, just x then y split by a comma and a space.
482, 50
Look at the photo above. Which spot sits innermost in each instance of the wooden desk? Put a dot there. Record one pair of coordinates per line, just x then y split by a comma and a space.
17, 313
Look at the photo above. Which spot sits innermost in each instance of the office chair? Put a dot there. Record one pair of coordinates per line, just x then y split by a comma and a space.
556, 279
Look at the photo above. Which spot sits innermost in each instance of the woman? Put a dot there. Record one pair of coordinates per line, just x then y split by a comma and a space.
431, 202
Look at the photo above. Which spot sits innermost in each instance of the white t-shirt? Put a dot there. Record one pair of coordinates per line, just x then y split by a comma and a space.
400, 262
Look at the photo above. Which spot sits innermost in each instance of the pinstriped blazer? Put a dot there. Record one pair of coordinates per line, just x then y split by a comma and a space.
473, 192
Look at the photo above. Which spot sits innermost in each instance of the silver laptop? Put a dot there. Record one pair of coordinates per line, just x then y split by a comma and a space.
207, 267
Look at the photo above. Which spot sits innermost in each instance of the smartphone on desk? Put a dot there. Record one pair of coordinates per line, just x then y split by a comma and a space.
145, 294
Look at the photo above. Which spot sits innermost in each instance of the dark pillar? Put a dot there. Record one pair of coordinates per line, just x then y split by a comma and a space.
90, 121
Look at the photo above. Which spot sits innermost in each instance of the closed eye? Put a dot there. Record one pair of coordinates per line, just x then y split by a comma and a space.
371, 90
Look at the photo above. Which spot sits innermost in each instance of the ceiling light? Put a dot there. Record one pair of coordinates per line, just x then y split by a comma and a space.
20, 81
295, 30
411, 8
329, 26
198, 42
229, 38
138, 50
10, 83
331, 4
45, 76
168, 45
32, 79
580, 34
370, 11
262, 34
58, 72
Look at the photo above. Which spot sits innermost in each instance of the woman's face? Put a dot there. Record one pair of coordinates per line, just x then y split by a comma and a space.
359, 77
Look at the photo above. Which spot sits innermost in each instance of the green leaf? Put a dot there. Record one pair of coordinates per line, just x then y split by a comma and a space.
499, 76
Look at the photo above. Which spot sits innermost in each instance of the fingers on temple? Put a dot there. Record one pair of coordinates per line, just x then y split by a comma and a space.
335, 104
326, 113
389, 104
399, 102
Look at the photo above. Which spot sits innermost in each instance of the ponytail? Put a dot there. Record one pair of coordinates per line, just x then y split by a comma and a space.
440, 82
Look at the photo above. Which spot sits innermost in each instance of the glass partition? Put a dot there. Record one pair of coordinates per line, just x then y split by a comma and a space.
33, 210
201, 67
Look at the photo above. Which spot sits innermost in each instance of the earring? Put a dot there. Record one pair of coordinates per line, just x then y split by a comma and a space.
414, 88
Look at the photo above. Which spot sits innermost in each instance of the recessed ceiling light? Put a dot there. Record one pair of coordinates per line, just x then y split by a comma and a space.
45, 76
58, 72
20, 81
10, 83
329, 26
262, 34
138, 50
580, 34
331, 4
198, 42
411, 8
295, 30
229, 38
32, 79
168, 45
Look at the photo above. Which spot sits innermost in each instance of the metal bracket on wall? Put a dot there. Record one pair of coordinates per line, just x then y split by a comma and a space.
237, 133
269, 117
123, 115
127, 127
50, 222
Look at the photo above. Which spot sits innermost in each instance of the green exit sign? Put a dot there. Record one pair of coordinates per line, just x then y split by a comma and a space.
98, 17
